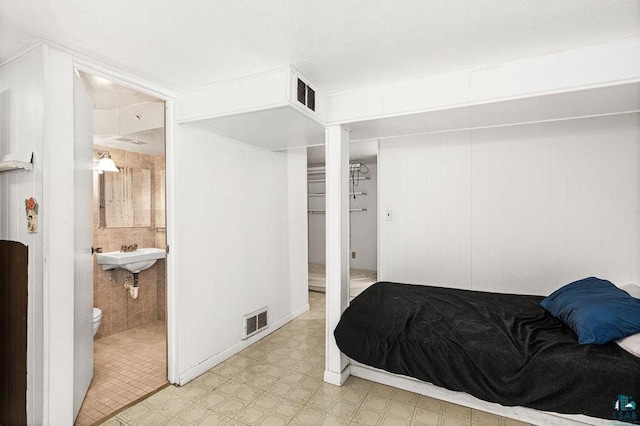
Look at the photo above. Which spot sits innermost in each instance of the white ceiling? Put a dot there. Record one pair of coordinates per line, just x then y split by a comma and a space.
106, 94
336, 44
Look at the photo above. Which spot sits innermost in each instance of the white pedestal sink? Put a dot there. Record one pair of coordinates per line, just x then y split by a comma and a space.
133, 261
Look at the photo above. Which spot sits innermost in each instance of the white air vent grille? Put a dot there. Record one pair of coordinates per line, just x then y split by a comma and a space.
255, 322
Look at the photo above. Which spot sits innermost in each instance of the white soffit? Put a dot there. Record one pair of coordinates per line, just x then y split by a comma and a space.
287, 127
273, 129
618, 99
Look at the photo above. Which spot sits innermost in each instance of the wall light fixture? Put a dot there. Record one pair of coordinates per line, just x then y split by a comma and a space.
106, 163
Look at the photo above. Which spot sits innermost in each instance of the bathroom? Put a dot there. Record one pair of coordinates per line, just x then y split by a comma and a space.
130, 356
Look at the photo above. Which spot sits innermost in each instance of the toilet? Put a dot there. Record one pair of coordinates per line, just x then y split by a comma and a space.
97, 318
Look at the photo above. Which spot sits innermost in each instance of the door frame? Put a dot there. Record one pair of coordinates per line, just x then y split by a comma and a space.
122, 78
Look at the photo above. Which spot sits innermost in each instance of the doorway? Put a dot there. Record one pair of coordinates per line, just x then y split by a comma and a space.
363, 216
129, 213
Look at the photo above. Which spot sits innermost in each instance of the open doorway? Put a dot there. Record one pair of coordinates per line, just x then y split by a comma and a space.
129, 214
363, 216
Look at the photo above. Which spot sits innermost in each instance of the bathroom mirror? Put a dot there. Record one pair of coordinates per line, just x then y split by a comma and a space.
125, 198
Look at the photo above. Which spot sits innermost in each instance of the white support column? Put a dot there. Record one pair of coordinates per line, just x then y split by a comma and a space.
337, 256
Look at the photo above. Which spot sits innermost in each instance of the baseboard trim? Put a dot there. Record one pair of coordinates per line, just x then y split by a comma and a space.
337, 379
523, 414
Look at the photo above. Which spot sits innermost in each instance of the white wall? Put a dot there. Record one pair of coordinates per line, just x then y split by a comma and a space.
591, 66
36, 91
21, 132
520, 209
253, 224
240, 243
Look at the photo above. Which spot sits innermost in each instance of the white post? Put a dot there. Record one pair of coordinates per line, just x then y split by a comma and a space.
337, 255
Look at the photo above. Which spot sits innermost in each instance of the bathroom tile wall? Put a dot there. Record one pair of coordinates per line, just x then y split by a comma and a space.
161, 232
119, 311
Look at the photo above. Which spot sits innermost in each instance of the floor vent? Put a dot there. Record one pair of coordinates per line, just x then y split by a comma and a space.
255, 322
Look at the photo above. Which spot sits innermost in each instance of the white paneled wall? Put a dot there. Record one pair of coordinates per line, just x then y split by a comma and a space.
21, 132
36, 92
522, 209
260, 91
240, 243
602, 64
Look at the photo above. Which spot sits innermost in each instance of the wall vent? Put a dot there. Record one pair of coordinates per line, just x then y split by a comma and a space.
302, 92
255, 322
306, 95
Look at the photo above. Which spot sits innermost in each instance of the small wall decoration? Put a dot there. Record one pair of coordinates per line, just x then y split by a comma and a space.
31, 207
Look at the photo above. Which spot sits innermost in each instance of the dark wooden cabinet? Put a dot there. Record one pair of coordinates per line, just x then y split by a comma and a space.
13, 333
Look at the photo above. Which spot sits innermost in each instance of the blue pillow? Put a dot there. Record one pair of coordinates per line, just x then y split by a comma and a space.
596, 310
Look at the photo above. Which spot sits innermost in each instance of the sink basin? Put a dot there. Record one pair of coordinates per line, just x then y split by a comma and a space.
133, 261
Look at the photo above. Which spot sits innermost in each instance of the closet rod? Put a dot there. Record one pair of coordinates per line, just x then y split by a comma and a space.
324, 211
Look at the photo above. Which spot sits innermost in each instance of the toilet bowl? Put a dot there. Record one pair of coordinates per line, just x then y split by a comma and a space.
97, 318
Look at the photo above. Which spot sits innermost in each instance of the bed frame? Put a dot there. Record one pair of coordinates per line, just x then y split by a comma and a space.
523, 414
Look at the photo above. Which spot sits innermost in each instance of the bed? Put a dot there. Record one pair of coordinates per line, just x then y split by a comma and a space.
501, 348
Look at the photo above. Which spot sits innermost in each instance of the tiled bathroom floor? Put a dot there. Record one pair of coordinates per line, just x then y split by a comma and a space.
127, 366
278, 381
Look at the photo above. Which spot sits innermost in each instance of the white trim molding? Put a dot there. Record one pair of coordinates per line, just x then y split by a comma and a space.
523, 414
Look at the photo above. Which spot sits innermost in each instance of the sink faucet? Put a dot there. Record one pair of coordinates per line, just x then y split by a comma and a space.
129, 248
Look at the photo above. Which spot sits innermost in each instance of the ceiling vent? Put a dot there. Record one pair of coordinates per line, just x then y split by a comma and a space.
255, 322
306, 95
127, 140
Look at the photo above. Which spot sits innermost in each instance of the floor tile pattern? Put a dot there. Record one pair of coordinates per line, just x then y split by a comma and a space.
278, 381
127, 366
359, 279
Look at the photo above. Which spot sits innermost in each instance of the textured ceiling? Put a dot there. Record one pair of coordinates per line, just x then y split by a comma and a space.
337, 44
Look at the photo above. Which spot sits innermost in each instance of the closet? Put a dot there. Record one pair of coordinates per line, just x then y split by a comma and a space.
316, 187
362, 225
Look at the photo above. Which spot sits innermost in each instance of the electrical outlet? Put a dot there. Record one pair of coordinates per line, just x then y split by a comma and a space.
353, 254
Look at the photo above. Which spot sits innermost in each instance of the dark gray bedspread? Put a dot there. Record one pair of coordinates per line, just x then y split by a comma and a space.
501, 348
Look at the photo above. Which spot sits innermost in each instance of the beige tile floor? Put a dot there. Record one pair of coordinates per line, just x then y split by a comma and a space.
126, 367
278, 381
359, 279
